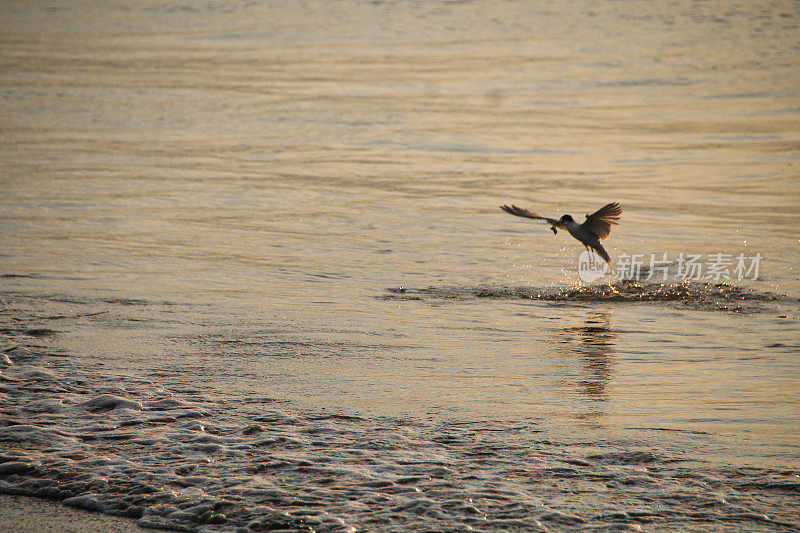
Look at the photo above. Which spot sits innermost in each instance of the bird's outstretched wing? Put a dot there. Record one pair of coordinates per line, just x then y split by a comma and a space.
599, 222
520, 212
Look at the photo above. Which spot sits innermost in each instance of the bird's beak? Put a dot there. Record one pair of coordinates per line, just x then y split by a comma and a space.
555, 232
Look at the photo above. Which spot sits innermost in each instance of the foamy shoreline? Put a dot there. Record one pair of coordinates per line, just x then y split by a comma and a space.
74, 440
23, 514
171, 461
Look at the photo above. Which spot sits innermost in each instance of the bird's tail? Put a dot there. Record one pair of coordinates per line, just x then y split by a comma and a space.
603, 253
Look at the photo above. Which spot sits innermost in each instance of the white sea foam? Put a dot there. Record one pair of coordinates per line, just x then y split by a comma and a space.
190, 465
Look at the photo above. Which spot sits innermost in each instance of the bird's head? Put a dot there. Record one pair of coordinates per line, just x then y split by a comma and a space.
564, 219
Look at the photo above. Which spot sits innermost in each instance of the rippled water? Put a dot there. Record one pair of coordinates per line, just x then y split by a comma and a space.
254, 273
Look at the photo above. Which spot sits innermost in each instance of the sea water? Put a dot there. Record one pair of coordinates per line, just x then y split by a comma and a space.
254, 273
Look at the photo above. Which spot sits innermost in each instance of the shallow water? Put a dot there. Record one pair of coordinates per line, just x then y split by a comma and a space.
253, 257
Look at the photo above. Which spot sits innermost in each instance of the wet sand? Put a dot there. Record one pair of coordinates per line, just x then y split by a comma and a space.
22, 514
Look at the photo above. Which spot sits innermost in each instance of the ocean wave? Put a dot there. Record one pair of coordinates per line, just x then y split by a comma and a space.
139, 450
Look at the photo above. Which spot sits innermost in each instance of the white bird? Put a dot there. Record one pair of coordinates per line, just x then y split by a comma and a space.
595, 228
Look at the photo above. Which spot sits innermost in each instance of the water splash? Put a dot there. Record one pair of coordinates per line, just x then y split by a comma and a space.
704, 296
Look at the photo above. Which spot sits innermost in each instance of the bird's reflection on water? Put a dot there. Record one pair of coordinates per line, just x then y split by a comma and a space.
593, 342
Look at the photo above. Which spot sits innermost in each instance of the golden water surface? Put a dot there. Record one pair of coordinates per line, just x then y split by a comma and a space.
235, 187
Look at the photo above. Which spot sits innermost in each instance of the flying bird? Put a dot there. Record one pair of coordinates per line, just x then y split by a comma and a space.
595, 228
